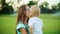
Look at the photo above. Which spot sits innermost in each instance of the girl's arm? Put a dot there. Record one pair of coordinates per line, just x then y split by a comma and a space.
23, 31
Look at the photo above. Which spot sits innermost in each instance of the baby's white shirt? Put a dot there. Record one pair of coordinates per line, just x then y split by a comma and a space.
37, 25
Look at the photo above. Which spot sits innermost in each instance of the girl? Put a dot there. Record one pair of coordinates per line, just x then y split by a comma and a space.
22, 26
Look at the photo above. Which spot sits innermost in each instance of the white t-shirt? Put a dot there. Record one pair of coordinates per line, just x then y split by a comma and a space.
37, 25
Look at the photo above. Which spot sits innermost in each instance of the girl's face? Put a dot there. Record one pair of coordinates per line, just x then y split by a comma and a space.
27, 11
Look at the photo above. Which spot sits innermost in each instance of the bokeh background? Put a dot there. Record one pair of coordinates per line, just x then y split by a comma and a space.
50, 14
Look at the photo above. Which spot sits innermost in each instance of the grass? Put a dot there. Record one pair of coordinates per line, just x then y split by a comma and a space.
51, 24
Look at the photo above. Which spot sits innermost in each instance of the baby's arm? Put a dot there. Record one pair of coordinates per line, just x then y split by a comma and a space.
30, 23
31, 28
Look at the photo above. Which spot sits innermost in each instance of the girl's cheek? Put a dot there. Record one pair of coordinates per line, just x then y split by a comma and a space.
26, 13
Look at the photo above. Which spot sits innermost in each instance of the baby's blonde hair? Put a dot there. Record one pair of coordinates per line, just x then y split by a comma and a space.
34, 10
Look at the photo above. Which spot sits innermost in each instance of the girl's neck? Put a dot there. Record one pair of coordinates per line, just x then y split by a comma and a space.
25, 22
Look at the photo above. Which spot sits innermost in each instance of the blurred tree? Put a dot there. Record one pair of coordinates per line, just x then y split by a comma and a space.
44, 7
31, 3
6, 9
58, 5
0, 5
45, 4
54, 7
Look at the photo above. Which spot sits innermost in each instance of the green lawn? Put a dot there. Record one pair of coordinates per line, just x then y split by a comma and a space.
51, 24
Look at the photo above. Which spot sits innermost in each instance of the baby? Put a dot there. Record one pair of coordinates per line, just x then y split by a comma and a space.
35, 23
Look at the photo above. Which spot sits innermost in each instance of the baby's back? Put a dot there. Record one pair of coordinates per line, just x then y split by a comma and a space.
37, 25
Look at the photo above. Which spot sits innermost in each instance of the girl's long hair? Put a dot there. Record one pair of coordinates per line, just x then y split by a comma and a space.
21, 14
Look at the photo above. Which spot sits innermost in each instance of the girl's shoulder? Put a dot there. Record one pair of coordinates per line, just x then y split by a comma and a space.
20, 25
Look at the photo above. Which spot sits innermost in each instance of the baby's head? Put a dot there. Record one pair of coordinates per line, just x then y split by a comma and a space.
35, 11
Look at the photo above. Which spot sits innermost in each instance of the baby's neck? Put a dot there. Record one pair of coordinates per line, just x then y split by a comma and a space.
35, 16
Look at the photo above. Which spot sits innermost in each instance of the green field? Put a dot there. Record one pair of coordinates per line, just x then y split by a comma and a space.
51, 24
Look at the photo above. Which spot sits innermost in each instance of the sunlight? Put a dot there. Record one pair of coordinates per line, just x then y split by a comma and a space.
16, 4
